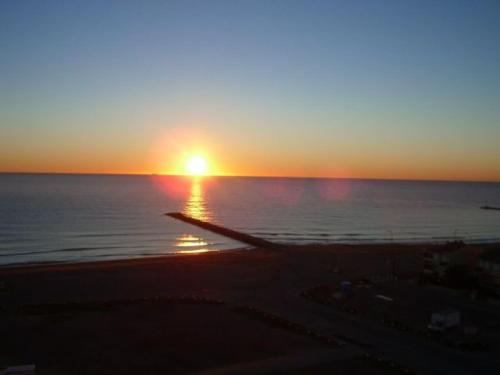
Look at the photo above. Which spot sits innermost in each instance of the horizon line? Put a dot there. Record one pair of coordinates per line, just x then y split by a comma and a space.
244, 176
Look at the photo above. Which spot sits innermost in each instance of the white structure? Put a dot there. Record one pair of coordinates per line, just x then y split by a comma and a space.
19, 370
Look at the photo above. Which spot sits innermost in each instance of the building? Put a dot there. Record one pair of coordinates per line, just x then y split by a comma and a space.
488, 270
438, 260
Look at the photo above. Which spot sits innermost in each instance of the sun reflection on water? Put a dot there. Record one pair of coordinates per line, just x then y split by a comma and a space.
196, 205
197, 251
196, 208
194, 245
189, 240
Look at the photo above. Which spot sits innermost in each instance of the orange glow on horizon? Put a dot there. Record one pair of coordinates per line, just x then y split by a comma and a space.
376, 172
169, 152
184, 152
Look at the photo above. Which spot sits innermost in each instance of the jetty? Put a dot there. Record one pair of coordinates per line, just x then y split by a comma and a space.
490, 208
223, 231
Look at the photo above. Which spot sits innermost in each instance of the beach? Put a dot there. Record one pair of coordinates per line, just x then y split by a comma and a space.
208, 312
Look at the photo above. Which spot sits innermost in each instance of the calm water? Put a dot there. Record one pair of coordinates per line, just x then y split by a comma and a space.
47, 218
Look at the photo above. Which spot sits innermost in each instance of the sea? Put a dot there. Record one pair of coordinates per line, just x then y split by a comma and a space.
48, 218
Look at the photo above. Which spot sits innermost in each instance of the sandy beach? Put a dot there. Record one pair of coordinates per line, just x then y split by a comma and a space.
223, 312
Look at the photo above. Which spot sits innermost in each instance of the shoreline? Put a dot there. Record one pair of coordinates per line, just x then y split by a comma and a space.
139, 260
142, 260
157, 259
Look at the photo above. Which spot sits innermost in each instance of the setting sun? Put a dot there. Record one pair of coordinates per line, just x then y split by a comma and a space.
196, 166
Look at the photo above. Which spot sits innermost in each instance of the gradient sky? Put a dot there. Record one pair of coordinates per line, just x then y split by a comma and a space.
377, 89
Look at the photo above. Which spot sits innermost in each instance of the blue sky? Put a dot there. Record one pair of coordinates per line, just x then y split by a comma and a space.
390, 89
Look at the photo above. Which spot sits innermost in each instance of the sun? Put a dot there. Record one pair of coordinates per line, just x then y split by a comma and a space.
197, 166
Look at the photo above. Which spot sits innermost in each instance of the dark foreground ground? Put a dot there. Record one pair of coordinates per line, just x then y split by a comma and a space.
245, 312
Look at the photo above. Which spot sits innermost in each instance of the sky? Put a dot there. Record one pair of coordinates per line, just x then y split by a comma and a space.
364, 89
